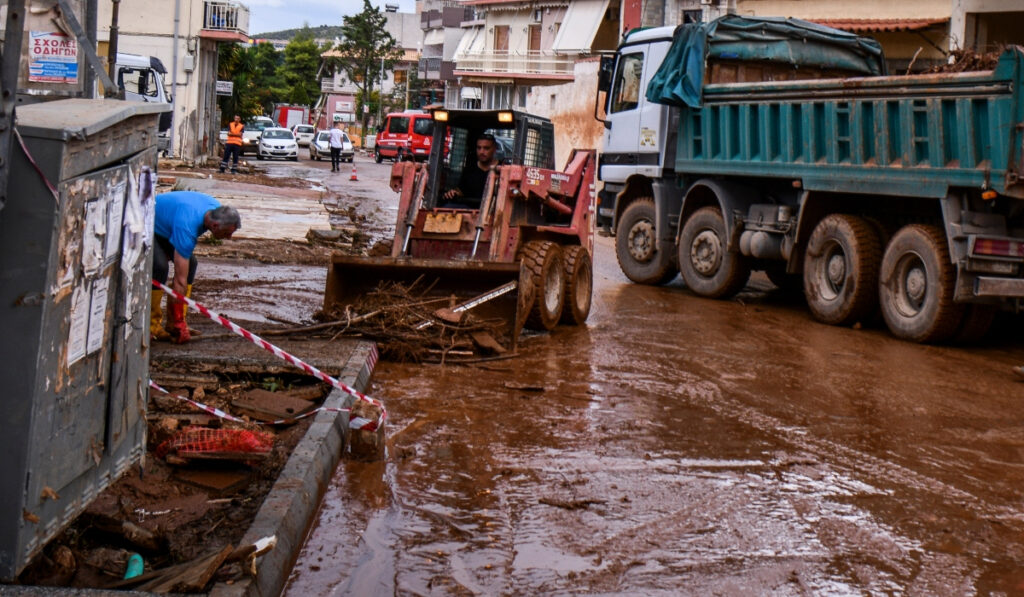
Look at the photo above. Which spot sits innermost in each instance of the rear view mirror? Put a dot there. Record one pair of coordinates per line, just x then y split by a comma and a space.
604, 75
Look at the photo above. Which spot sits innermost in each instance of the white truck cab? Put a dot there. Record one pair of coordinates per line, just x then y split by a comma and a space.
142, 78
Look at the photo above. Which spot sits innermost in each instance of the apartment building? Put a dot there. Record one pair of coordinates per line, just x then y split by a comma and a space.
184, 35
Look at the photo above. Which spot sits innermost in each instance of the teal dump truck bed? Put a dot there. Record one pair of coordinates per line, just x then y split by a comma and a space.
898, 135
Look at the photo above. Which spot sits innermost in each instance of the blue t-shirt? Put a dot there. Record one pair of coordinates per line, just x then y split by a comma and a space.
179, 218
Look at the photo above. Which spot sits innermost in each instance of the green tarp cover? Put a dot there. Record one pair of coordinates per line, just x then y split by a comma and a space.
678, 81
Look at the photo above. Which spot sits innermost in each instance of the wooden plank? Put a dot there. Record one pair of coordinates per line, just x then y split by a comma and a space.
271, 406
189, 577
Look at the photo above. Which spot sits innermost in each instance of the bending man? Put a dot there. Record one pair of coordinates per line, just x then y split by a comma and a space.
181, 218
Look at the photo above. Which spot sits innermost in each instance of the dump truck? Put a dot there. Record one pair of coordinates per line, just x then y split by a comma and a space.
783, 146
522, 255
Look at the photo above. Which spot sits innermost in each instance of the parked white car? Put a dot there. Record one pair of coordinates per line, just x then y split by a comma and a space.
277, 142
320, 148
303, 134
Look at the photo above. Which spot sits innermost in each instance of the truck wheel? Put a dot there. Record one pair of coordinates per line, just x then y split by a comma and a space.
709, 268
579, 282
377, 157
916, 286
841, 270
637, 248
976, 322
543, 260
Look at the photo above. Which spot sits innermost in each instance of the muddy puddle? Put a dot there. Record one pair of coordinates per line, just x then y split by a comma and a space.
683, 446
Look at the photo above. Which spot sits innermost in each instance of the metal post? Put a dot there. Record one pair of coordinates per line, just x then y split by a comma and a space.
174, 79
91, 26
380, 96
11, 59
118, 91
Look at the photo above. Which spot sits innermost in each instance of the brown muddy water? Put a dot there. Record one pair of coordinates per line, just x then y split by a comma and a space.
677, 445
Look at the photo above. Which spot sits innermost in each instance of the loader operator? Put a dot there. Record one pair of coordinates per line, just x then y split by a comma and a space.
470, 190
181, 218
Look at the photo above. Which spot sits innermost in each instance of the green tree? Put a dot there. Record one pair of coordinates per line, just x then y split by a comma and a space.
300, 68
268, 83
257, 81
366, 49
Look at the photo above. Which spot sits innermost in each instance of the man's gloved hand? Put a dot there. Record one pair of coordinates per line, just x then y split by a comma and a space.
180, 332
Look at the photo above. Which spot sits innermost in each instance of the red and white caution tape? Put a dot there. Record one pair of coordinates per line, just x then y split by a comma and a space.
354, 422
226, 416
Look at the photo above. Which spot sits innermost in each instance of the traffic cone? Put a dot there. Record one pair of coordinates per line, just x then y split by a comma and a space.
353, 177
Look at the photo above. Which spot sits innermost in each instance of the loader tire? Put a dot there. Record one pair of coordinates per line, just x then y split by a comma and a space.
579, 283
543, 261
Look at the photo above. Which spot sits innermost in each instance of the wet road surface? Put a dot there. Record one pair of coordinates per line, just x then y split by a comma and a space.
679, 445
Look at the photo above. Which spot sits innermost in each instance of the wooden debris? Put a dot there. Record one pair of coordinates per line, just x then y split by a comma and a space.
216, 482
190, 577
524, 387
570, 504
270, 406
131, 532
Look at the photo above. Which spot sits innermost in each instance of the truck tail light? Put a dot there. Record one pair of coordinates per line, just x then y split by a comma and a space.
997, 247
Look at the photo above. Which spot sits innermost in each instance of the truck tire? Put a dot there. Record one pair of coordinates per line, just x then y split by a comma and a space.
709, 268
637, 248
841, 270
579, 284
916, 286
543, 261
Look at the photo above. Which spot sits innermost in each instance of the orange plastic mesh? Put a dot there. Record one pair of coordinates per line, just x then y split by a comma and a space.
198, 440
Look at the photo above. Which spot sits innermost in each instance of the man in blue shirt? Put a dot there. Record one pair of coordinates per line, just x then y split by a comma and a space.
181, 218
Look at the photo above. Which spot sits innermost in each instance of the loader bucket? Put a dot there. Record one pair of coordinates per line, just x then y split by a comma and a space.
350, 279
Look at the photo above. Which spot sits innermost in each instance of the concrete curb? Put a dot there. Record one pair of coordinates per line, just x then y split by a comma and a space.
293, 501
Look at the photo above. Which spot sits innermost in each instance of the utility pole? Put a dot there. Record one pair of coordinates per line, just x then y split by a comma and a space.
9, 62
380, 96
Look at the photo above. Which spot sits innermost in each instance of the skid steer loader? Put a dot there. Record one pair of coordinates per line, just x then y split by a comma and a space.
522, 255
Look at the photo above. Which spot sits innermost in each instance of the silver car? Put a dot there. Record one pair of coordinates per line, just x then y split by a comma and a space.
320, 147
303, 134
277, 142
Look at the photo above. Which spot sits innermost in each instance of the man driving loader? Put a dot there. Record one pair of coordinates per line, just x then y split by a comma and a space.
468, 193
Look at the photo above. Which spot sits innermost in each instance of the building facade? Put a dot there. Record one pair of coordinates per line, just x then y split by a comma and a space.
184, 35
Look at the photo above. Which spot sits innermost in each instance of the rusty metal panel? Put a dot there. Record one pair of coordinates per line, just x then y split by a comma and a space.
74, 299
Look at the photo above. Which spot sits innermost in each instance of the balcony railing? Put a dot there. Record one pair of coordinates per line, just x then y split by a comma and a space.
530, 63
226, 16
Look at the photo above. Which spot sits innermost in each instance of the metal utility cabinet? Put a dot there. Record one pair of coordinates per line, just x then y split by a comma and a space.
75, 263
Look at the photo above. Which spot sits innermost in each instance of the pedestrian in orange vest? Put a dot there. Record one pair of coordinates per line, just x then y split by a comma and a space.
233, 146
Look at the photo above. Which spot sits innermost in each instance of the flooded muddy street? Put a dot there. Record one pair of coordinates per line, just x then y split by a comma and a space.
681, 445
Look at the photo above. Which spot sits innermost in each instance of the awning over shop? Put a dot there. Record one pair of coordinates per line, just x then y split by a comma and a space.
882, 25
579, 26
470, 93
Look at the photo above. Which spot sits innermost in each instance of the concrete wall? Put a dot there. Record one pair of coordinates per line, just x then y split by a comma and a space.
570, 106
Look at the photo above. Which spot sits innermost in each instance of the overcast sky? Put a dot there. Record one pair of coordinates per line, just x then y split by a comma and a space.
275, 15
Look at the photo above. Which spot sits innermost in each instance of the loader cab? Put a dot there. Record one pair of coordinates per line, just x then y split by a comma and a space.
520, 138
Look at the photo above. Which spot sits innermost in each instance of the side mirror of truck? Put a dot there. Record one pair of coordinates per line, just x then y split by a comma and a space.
604, 74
